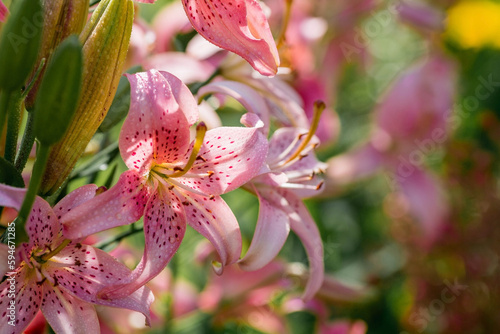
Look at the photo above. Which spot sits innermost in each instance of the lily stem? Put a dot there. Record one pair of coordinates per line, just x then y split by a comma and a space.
4, 105
14, 121
35, 181
133, 230
26, 144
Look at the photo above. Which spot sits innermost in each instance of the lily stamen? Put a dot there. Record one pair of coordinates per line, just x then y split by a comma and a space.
301, 186
45, 257
319, 106
201, 129
286, 20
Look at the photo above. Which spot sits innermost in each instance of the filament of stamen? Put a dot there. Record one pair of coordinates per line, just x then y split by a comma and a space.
201, 129
285, 152
286, 20
303, 175
59, 248
319, 106
302, 186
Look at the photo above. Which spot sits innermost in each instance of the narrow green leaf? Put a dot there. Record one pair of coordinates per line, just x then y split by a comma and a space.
59, 92
19, 43
9, 174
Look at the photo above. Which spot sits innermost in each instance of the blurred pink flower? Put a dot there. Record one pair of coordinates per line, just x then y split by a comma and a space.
3, 11
412, 121
421, 15
245, 296
172, 181
60, 277
170, 21
344, 327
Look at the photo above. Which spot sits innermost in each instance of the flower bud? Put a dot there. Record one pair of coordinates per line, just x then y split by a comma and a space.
61, 19
59, 92
19, 43
105, 40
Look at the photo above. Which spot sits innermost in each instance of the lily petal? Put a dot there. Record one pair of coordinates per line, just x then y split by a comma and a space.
122, 204
28, 297
213, 219
229, 157
11, 197
182, 65
427, 203
164, 228
284, 102
42, 226
282, 139
84, 271
67, 314
3, 11
74, 199
239, 26
270, 235
157, 125
248, 97
304, 226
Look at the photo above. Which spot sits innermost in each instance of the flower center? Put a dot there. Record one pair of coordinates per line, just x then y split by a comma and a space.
167, 170
303, 149
42, 258
166, 173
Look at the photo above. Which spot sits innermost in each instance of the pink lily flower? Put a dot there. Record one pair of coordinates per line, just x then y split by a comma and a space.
239, 26
59, 276
292, 176
3, 11
241, 296
171, 181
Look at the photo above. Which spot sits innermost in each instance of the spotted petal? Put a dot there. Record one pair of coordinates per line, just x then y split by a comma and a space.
229, 157
84, 271
239, 26
122, 204
74, 199
67, 314
164, 228
27, 298
157, 126
43, 227
213, 218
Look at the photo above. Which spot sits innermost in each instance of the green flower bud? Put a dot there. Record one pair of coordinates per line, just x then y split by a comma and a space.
105, 40
61, 19
59, 92
19, 43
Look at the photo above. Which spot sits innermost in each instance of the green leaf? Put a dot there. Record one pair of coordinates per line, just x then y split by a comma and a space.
19, 43
59, 92
121, 102
9, 175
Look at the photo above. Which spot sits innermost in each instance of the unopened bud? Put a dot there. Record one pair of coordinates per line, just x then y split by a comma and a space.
105, 40
59, 92
19, 43
61, 18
